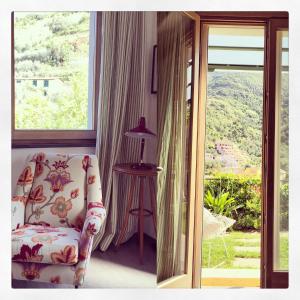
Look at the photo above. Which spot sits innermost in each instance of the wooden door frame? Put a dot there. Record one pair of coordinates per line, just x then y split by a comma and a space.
271, 21
269, 277
186, 280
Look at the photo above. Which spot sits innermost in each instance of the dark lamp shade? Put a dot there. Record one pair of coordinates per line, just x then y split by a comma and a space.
140, 131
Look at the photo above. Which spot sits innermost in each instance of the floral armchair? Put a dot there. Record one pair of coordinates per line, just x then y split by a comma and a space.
56, 211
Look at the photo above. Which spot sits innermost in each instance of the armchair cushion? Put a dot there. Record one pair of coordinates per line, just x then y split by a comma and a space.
44, 244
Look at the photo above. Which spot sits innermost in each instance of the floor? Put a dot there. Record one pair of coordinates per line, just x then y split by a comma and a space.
230, 278
114, 268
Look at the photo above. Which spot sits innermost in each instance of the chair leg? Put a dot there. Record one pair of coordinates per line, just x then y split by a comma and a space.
76, 286
209, 253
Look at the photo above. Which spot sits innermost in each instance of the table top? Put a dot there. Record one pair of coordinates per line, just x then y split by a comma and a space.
127, 168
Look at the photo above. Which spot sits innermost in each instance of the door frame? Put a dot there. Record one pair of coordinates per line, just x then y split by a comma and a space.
272, 21
269, 277
185, 280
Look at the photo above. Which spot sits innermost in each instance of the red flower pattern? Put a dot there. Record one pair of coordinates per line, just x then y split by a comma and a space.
39, 159
37, 195
91, 179
31, 271
95, 204
66, 256
91, 230
61, 207
29, 254
55, 279
86, 162
58, 179
26, 177
74, 193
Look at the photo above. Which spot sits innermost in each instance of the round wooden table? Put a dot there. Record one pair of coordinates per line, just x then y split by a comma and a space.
141, 175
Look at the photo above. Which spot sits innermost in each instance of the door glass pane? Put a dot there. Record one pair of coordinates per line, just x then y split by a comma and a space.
174, 98
233, 155
281, 192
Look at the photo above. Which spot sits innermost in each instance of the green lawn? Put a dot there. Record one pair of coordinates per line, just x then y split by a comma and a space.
237, 239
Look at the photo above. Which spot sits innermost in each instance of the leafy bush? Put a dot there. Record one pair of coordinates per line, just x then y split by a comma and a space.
246, 192
220, 204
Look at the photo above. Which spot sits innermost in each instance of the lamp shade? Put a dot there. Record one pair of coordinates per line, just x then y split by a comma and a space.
140, 131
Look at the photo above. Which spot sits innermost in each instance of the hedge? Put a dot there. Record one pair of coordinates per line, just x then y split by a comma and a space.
246, 190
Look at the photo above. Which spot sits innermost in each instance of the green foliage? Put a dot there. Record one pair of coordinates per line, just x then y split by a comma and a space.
246, 205
245, 190
52, 45
220, 204
66, 110
234, 114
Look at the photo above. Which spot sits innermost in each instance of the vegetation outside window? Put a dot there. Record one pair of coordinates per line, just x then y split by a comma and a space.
54, 75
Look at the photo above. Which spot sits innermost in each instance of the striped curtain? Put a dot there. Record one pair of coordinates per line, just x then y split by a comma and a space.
121, 103
171, 152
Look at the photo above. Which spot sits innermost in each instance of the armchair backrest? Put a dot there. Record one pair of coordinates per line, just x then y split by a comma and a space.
58, 193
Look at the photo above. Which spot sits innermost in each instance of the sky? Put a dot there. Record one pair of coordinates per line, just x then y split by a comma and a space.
248, 37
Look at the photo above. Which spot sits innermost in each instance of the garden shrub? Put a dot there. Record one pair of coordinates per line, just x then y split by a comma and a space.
246, 190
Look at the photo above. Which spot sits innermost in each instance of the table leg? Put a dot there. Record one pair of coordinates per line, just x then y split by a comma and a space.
153, 202
141, 219
129, 204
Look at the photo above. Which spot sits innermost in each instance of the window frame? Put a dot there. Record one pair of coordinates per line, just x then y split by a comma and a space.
34, 138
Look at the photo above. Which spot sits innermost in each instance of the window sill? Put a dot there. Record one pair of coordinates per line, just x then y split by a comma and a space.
53, 138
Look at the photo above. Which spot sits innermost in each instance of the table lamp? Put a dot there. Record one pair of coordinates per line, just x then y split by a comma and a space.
140, 132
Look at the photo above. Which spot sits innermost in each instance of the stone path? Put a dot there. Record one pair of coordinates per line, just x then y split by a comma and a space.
246, 262
247, 249
248, 241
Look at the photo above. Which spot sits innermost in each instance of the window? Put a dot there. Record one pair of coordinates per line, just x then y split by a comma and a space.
54, 55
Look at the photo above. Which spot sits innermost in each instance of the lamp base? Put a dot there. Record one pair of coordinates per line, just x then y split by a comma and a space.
141, 166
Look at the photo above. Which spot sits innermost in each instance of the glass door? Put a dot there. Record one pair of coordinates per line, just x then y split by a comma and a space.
231, 234
177, 97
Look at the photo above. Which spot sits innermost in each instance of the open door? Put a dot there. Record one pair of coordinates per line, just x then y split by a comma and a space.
178, 78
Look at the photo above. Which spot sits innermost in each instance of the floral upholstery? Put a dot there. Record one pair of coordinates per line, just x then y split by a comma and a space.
56, 211
44, 244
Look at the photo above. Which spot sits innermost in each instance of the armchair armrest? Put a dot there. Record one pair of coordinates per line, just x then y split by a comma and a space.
94, 218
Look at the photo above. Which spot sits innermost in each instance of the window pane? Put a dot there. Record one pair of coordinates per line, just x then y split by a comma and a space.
281, 205
51, 70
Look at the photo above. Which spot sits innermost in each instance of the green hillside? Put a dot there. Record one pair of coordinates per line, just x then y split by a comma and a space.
51, 70
234, 114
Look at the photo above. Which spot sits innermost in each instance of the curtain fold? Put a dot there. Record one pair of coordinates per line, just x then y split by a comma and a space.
171, 152
121, 103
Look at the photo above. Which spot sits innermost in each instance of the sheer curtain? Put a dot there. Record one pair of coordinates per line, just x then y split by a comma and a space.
121, 103
171, 152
